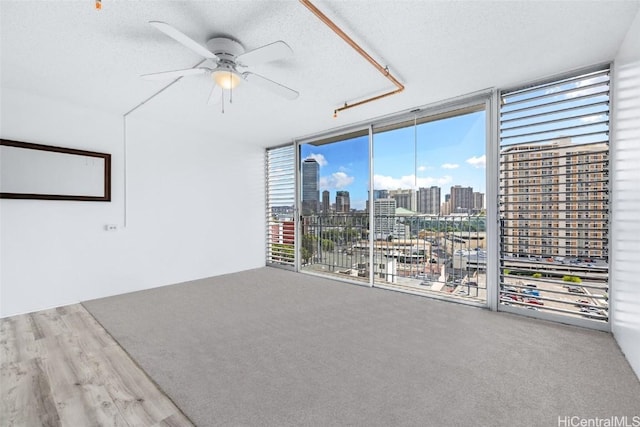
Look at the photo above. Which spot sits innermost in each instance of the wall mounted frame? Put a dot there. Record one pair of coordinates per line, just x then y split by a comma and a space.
36, 171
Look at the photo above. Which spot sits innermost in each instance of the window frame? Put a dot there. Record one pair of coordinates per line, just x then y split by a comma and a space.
572, 75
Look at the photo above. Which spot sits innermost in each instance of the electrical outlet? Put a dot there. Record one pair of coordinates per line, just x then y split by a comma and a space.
111, 227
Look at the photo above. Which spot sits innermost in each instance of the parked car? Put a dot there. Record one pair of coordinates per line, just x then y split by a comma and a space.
533, 301
575, 289
532, 292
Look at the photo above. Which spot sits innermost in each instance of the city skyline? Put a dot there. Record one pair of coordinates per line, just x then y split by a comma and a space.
422, 200
441, 153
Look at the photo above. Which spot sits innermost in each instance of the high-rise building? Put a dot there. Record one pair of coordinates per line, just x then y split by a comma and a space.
310, 184
429, 200
461, 199
478, 202
343, 203
380, 194
554, 199
384, 211
405, 198
326, 204
445, 208
377, 194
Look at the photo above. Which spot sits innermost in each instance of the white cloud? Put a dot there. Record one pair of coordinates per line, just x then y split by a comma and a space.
336, 181
587, 90
593, 119
446, 179
382, 182
478, 162
422, 168
450, 166
319, 158
578, 85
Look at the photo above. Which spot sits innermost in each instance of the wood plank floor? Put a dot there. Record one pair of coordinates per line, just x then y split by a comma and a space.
59, 367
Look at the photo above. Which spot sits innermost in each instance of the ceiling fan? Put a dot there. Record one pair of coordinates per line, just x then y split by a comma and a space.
226, 61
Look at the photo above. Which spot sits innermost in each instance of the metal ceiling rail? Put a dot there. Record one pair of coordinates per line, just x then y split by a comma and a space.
383, 70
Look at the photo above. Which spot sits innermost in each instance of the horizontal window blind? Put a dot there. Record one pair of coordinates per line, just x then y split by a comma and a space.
554, 196
280, 203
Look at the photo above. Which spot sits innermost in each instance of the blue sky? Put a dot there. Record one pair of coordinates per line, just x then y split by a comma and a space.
448, 152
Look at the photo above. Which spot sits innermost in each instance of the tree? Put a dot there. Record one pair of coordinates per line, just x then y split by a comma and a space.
306, 255
308, 247
536, 275
327, 245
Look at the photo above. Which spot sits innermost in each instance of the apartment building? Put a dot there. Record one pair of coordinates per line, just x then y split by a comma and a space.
429, 200
555, 199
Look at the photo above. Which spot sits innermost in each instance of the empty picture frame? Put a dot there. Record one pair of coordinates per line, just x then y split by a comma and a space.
35, 171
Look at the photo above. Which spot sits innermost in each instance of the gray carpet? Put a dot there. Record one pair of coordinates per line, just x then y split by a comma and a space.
268, 347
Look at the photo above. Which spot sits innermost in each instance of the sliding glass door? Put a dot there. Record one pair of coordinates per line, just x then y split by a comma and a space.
401, 205
429, 186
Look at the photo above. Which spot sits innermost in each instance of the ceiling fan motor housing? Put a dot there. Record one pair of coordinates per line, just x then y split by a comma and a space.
225, 48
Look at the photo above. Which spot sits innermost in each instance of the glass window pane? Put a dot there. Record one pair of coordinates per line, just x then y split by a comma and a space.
429, 212
334, 227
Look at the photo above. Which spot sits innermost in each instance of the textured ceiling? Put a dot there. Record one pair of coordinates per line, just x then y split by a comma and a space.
69, 51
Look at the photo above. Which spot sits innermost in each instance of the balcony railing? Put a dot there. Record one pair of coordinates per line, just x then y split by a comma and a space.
419, 254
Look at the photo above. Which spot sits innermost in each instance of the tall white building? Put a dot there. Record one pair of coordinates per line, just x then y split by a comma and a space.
384, 211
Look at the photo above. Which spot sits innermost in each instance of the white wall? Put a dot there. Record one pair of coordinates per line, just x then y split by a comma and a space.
195, 209
625, 152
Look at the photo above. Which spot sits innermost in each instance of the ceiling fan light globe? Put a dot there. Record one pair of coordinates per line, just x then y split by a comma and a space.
226, 79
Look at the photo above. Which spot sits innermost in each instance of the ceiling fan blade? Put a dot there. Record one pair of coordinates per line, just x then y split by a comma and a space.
165, 75
183, 39
215, 96
271, 52
270, 85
